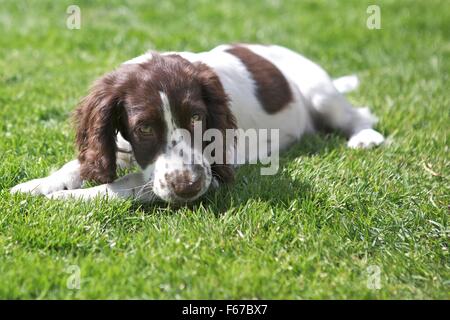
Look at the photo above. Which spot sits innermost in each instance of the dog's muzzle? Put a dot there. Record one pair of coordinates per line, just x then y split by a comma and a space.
187, 183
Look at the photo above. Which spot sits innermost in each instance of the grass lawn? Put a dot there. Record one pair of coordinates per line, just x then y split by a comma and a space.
323, 227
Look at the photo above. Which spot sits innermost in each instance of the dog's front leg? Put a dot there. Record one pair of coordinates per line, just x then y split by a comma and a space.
68, 177
130, 186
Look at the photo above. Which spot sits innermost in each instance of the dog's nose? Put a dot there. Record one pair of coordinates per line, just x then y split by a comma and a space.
185, 184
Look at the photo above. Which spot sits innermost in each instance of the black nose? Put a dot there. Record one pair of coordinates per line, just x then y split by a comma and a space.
185, 184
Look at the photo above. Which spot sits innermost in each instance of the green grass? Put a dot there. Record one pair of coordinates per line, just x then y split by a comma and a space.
309, 232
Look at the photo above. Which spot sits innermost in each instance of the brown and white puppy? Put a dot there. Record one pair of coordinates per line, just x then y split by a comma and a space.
141, 111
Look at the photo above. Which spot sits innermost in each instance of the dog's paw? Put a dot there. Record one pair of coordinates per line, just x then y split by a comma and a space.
365, 139
65, 194
80, 194
76, 194
35, 187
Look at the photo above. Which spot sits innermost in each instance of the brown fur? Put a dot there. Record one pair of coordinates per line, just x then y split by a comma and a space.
272, 88
95, 137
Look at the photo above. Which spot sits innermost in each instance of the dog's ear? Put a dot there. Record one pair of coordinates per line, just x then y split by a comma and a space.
219, 116
96, 127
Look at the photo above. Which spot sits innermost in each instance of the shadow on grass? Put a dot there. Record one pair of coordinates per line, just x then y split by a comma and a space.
250, 185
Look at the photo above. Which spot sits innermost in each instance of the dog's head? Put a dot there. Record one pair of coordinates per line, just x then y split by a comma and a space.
152, 104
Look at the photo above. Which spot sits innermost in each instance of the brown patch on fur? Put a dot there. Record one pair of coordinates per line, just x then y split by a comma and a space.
272, 88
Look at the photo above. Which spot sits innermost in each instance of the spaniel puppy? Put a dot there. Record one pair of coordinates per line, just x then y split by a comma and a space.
135, 113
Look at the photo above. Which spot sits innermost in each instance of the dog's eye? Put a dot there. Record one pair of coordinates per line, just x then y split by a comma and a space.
145, 130
195, 118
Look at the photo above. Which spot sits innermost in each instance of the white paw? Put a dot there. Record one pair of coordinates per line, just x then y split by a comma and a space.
48, 185
365, 139
38, 186
33, 187
65, 194
346, 83
81, 194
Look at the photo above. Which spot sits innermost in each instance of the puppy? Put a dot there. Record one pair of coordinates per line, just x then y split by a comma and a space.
134, 115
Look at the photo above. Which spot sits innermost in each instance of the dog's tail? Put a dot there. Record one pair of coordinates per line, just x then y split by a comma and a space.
346, 83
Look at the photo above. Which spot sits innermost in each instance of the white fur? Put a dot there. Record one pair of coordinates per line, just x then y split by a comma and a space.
366, 138
145, 57
68, 177
170, 160
346, 84
314, 94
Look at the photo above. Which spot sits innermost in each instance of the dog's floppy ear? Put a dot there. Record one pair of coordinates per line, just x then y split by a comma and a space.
219, 116
96, 126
